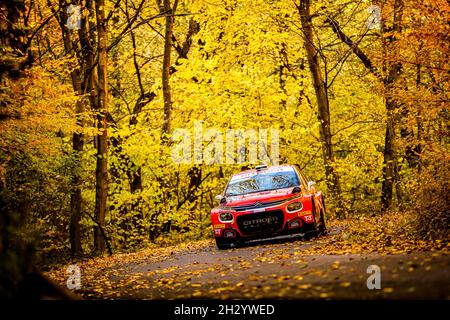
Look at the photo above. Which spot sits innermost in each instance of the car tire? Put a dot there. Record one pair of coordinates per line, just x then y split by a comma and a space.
223, 244
323, 227
313, 233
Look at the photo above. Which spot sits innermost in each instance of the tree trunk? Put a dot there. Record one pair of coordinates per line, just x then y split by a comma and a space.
77, 145
420, 131
101, 172
333, 184
75, 197
394, 69
169, 12
13, 36
388, 162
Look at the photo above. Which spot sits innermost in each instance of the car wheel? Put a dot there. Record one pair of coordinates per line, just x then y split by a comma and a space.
223, 244
316, 231
323, 227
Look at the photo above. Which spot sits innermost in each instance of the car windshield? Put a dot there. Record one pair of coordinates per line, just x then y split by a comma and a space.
261, 181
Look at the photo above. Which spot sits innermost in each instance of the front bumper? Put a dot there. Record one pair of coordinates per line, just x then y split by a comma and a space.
264, 224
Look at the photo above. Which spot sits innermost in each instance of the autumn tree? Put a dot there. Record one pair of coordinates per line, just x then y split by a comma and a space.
320, 87
387, 73
27, 135
101, 107
393, 69
169, 11
77, 138
89, 77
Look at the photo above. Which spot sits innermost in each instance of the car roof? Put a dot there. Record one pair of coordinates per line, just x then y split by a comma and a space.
250, 172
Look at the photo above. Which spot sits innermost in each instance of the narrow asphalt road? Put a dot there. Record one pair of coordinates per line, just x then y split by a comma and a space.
281, 270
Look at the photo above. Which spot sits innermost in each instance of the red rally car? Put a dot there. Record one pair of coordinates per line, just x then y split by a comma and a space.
266, 202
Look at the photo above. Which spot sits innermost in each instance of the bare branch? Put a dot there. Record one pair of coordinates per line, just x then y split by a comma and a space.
354, 47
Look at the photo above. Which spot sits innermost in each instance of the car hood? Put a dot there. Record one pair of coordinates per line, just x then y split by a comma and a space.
263, 196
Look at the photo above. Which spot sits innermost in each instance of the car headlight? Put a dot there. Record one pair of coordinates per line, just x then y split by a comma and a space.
295, 206
225, 217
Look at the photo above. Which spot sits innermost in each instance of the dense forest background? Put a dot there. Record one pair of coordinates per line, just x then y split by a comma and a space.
91, 91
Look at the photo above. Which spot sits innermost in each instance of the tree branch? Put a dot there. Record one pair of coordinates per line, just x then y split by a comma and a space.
354, 47
148, 97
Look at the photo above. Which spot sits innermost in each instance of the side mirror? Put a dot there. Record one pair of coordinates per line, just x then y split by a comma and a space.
311, 184
296, 190
218, 197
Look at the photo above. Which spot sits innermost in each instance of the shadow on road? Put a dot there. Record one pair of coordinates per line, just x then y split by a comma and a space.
304, 237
